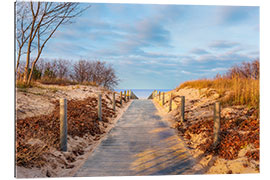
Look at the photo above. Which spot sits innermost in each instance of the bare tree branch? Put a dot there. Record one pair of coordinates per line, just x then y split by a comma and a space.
46, 17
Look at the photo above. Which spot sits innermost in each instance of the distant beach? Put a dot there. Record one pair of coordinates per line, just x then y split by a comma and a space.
143, 93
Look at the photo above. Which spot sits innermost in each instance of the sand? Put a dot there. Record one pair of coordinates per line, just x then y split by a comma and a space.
37, 101
198, 107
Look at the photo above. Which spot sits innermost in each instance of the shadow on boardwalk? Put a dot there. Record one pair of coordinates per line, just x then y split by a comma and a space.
139, 144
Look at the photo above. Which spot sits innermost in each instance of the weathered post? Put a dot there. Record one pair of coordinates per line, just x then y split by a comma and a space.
170, 103
99, 107
63, 124
128, 95
216, 129
125, 95
113, 101
121, 98
159, 96
163, 98
182, 110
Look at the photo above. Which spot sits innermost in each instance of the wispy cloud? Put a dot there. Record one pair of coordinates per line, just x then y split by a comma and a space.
199, 51
145, 33
221, 44
227, 56
218, 69
232, 15
160, 45
186, 72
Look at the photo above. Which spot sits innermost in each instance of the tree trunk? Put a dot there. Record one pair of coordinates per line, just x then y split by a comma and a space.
30, 74
33, 65
18, 61
25, 77
31, 38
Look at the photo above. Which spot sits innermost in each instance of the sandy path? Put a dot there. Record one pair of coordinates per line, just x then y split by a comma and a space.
141, 143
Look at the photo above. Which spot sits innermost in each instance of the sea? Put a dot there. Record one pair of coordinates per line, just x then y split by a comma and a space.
143, 93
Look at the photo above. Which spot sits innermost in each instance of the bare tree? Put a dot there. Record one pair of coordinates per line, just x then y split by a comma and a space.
46, 17
80, 69
98, 71
109, 78
23, 26
95, 71
103, 74
62, 68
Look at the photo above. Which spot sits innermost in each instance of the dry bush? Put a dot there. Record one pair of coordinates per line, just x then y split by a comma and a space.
249, 70
235, 134
44, 129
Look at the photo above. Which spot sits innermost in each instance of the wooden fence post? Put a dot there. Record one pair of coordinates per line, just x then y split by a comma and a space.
182, 110
216, 129
159, 96
113, 101
128, 95
170, 103
163, 98
121, 98
99, 107
125, 95
63, 124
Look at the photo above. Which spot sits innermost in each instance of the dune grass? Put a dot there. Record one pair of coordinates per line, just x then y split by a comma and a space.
240, 85
233, 91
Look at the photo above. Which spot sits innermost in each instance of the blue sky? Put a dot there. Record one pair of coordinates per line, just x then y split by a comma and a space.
160, 46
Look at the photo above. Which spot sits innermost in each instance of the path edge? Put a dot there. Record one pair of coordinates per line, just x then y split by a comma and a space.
103, 137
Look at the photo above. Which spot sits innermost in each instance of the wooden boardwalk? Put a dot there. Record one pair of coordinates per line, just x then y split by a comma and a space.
141, 143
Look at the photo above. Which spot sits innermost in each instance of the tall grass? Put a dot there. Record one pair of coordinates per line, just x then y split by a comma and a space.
234, 88
21, 85
240, 91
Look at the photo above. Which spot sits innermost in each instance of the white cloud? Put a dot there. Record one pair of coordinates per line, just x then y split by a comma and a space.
218, 69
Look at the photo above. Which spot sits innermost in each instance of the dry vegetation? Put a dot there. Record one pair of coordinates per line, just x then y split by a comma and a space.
82, 120
238, 150
240, 86
37, 127
64, 72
